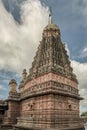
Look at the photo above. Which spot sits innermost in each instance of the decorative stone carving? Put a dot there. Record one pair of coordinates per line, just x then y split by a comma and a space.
24, 75
12, 85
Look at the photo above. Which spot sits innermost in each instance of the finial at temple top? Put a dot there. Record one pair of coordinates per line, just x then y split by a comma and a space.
50, 16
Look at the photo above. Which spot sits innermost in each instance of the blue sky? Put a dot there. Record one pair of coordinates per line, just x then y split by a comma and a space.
19, 16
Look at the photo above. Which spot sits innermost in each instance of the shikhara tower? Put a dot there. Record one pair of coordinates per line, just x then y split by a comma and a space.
48, 97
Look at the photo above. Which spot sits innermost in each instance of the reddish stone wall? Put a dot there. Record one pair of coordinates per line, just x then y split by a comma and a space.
49, 77
35, 106
13, 109
47, 107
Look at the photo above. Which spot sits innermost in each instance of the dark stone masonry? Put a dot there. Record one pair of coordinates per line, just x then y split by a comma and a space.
48, 97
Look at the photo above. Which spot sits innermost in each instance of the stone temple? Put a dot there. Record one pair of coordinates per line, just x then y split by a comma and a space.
48, 96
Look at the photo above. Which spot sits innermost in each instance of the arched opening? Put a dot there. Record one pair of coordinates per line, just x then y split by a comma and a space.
70, 107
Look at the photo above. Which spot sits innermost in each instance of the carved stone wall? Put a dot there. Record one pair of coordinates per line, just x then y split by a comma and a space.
14, 109
46, 110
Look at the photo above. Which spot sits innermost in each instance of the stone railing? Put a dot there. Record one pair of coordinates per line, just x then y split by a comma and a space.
50, 87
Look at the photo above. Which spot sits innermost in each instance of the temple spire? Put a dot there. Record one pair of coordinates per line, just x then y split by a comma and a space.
50, 16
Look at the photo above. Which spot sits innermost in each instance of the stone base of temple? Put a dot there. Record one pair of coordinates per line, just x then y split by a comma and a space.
24, 123
36, 128
9, 121
6, 127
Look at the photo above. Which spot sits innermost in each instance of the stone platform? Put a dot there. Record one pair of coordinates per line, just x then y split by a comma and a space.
36, 128
9, 127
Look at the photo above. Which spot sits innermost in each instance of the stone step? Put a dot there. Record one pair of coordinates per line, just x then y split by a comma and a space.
6, 127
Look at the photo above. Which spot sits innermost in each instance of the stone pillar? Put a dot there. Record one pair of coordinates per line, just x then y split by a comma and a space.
24, 75
12, 85
13, 104
21, 85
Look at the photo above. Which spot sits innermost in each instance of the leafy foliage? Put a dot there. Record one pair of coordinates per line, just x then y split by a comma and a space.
84, 114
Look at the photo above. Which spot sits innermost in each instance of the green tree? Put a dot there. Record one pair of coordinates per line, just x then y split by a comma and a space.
84, 114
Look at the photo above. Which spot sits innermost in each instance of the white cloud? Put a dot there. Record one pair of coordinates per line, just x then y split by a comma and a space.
2, 88
67, 49
18, 42
80, 70
83, 53
85, 49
